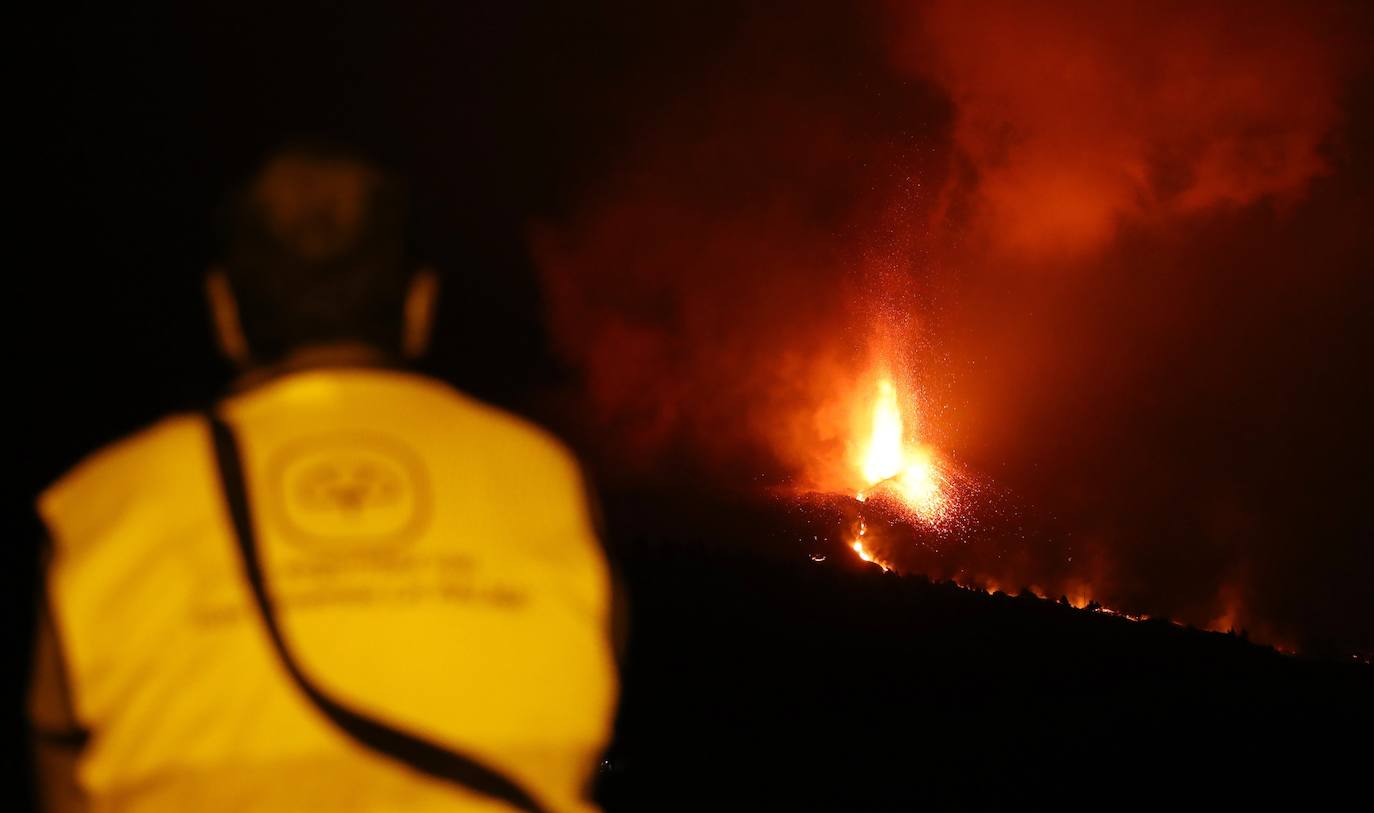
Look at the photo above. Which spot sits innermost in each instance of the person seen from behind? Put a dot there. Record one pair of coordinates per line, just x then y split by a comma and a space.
344, 587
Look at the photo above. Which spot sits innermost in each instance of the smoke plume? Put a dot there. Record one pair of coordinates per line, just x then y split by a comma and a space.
1076, 116
1103, 242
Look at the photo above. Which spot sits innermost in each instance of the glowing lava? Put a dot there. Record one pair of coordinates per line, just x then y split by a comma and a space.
863, 551
892, 464
884, 457
897, 474
866, 556
895, 471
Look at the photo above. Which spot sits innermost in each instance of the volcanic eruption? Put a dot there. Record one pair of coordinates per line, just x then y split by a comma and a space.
1082, 232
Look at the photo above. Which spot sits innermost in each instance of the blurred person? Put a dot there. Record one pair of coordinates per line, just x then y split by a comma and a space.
346, 586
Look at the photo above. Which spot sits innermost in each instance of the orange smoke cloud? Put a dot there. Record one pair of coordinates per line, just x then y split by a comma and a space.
835, 192
1076, 116
725, 270
717, 285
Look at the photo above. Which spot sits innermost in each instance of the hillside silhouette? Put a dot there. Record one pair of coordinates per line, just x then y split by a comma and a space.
764, 682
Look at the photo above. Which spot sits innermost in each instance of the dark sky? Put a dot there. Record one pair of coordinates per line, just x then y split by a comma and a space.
1174, 380
499, 113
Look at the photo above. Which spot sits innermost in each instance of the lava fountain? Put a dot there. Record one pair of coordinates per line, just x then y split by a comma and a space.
898, 468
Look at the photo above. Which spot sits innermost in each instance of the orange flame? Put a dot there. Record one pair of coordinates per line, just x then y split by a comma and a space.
893, 467
893, 464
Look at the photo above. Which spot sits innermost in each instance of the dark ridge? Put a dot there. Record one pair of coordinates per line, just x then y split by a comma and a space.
756, 681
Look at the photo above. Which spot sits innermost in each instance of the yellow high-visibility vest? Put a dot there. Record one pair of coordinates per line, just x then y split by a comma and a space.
432, 563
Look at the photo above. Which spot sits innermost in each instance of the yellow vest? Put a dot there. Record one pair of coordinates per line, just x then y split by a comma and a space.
433, 565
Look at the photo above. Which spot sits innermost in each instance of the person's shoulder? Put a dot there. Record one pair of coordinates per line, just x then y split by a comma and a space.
504, 429
158, 453
504, 439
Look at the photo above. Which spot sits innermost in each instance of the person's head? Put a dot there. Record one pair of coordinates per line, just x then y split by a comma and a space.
315, 256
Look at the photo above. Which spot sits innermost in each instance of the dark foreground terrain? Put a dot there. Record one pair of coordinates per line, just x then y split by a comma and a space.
761, 684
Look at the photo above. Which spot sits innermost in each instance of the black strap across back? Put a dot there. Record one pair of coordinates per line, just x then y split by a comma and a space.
419, 753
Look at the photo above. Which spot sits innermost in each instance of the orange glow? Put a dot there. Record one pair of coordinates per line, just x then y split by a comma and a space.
1079, 594
893, 469
890, 467
891, 473
865, 555
891, 463
884, 457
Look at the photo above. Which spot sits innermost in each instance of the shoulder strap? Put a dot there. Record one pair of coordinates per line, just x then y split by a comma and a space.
413, 750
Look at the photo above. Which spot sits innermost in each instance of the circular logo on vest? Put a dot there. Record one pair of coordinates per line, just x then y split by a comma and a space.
349, 491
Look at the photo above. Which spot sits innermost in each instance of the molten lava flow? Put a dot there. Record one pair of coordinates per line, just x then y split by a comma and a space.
893, 465
866, 556
863, 551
